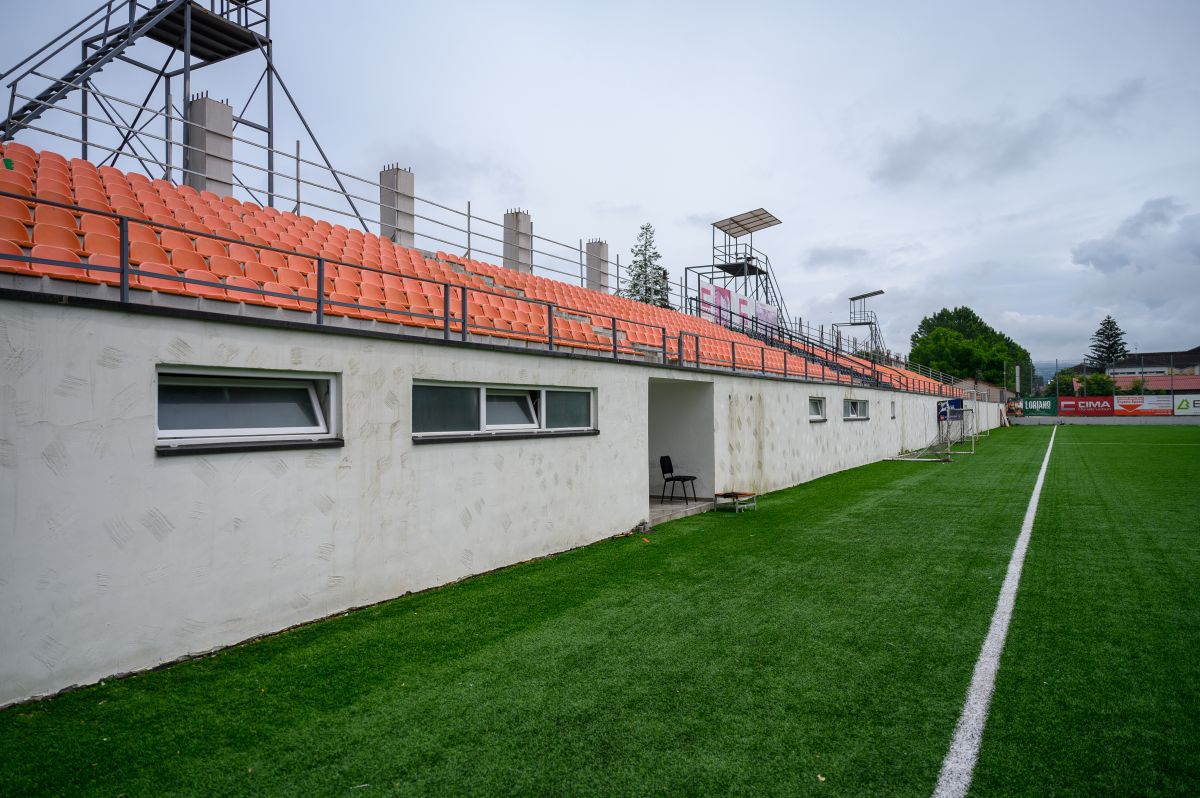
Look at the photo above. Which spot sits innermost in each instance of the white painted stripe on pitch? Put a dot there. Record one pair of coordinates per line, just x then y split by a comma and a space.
959, 766
1122, 443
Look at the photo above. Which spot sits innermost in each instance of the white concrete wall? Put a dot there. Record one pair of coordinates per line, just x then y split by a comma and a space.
114, 559
765, 441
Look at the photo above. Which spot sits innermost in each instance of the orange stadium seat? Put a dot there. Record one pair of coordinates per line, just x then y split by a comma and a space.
50, 252
196, 276
91, 223
15, 209
280, 301
55, 236
15, 231
247, 291
98, 269
15, 266
52, 214
142, 252
376, 279
159, 277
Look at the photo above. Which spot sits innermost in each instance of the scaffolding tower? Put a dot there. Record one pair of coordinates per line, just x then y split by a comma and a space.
737, 265
181, 135
861, 316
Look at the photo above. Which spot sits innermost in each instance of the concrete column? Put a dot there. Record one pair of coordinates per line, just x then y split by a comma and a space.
208, 156
596, 265
518, 241
396, 220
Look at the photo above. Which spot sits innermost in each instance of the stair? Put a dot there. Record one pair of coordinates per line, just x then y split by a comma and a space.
116, 38
61, 87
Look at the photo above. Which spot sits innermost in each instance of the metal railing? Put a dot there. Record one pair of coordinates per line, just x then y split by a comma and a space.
456, 317
814, 344
441, 225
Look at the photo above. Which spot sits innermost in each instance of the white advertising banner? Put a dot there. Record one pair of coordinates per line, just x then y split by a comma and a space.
743, 306
714, 303
708, 302
767, 314
723, 306
1143, 406
1187, 404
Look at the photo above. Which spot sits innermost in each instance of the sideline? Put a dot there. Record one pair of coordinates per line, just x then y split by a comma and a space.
958, 767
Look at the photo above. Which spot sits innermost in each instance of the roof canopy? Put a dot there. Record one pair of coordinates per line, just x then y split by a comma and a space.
746, 223
867, 295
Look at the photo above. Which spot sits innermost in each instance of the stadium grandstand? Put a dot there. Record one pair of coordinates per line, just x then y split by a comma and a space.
237, 410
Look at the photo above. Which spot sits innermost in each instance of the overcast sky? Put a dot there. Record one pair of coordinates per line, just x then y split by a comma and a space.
1035, 161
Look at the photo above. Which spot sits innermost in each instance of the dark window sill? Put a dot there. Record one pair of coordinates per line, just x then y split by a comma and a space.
817, 420
856, 419
501, 436
248, 446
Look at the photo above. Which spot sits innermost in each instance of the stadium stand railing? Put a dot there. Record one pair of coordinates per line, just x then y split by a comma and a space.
138, 239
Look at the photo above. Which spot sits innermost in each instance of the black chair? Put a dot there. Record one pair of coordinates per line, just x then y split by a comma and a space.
669, 475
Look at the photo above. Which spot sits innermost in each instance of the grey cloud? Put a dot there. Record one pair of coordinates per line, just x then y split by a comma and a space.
950, 153
631, 209
701, 219
450, 173
834, 256
1158, 237
1154, 213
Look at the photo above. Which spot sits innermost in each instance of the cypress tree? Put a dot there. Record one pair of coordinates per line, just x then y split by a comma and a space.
648, 281
1108, 344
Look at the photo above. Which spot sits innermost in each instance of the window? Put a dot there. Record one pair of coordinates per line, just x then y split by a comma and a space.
816, 408
512, 409
893, 408
568, 409
855, 410
445, 408
201, 408
452, 410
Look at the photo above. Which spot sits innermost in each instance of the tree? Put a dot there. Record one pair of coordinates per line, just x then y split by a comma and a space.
962, 344
1108, 344
1063, 384
648, 281
1099, 384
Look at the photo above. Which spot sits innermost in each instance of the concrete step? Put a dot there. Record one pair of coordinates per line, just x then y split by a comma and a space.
661, 513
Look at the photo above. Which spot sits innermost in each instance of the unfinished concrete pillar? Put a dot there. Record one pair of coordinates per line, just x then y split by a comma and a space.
518, 241
208, 156
596, 265
396, 190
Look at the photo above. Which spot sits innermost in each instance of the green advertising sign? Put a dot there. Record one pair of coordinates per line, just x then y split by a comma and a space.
1039, 407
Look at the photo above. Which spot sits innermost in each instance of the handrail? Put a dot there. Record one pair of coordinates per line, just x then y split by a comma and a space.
103, 6
448, 318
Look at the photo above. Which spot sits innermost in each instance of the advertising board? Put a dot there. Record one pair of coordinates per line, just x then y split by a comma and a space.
1187, 404
1143, 406
1085, 405
1039, 406
715, 303
766, 314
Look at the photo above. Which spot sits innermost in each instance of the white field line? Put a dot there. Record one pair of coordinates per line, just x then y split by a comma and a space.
958, 767
1122, 443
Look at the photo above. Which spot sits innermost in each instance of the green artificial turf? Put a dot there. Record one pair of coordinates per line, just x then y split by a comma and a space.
822, 645
1099, 687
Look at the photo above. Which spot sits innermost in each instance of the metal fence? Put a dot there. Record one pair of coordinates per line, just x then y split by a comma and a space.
1135, 375
290, 181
